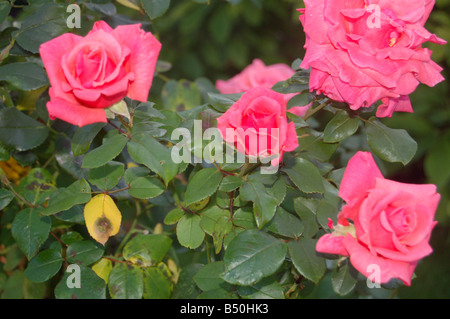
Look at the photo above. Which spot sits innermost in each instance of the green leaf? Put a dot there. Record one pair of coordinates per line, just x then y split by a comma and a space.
313, 145
13, 286
156, 284
222, 102
147, 249
203, 184
189, 232
264, 203
305, 259
5, 7
230, 183
252, 255
20, 131
155, 8
126, 282
146, 187
5, 198
344, 280
210, 217
134, 172
44, 265
109, 150
340, 127
181, 95
267, 288
30, 230
244, 218
208, 277
285, 224
83, 137
37, 186
84, 252
78, 192
107, 176
91, 285
44, 24
185, 287
24, 76
148, 151
391, 145
436, 162
306, 176
173, 216
306, 208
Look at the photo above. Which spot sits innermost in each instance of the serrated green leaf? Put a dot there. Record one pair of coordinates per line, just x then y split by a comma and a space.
83, 137
30, 230
252, 255
156, 284
285, 224
173, 216
5, 198
155, 8
208, 277
107, 176
147, 249
37, 186
24, 76
343, 280
19, 131
306, 176
305, 259
146, 187
268, 288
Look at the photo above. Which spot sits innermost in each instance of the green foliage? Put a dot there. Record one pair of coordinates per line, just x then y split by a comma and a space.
200, 229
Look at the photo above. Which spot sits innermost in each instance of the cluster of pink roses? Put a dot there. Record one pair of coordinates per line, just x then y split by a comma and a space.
356, 55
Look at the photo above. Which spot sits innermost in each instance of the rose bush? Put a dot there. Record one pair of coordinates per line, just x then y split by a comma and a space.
384, 222
125, 192
363, 51
91, 73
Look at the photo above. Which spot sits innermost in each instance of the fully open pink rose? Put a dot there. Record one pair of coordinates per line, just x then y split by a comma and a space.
258, 74
88, 74
363, 51
384, 223
257, 125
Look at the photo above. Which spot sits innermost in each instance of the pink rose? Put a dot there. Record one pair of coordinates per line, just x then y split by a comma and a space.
88, 74
259, 123
258, 74
363, 51
384, 223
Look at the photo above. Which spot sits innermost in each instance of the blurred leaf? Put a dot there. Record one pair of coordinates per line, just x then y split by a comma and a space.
126, 282
30, 230
84, 252
5, 198
20, 131
391, 145
103, 268
230, 183
306, 260
181, 95
155, 8
134, 172
24, 76
146, 187
437, 162
109, 150
252, 255
78, 192
5, 7
340, 127
44, 265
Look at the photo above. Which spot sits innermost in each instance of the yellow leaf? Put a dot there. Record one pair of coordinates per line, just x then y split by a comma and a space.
103, 268
13, 170
129, 4
102, 218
